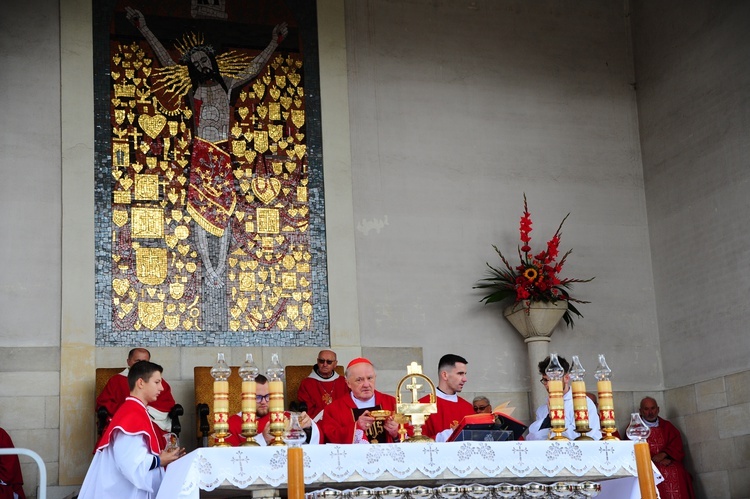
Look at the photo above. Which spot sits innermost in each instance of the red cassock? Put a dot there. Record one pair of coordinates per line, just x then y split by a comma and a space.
317, 393
10, 470
677, 484
339, 421
448, 417
117, 390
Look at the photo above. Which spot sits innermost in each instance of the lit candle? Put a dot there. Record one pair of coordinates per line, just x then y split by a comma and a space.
556, 403
645, 473
295, 473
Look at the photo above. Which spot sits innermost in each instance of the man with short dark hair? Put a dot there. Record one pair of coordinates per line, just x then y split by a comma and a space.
129, 461
540, 428
451, 408
323, 385
117, 390
667, 453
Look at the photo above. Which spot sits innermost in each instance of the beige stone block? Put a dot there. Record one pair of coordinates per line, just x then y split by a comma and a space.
169, 359
298, 356
395, 358
742, 449
716, 455
52, 412
22, 413
206, 356
29, 359
712, 484
738, 388
710, 394
46, 443
679, 402
346, 353
739, 482
700, 427
20, 383
112, 356
732, 421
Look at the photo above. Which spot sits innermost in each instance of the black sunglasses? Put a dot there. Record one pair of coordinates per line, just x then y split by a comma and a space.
326, 361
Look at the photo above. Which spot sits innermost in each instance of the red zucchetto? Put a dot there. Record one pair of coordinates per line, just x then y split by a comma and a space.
358, 360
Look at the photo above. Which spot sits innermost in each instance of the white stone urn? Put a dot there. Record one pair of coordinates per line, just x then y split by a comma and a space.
536, 321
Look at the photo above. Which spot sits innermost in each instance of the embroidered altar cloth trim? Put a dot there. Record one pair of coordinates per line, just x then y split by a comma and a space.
242, 467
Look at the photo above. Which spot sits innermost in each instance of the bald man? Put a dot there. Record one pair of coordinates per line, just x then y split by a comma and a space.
322, 386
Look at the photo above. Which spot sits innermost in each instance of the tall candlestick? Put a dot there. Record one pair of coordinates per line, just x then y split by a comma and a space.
606, 403
555, 374
248, 372
220, 372
276, 400
580, 399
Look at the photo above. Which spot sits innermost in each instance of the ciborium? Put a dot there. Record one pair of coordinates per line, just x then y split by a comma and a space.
417, 411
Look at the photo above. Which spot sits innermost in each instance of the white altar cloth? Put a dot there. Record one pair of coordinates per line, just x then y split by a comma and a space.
374, 465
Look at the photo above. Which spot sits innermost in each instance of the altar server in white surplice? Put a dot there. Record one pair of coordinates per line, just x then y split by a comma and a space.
129, 462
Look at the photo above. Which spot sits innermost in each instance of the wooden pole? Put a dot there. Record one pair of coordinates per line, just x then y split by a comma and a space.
295, 473
645, 472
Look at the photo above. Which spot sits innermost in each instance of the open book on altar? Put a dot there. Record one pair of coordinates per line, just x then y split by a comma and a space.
497, 426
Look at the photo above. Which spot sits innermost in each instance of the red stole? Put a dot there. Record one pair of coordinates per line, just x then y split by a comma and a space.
131, 418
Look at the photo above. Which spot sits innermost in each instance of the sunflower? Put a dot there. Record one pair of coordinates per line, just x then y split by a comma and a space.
531, 274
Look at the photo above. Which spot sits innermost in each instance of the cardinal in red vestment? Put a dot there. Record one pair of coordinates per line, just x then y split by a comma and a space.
349, 419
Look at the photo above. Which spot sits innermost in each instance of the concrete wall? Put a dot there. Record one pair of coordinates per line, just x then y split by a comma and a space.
694, 108
457, 109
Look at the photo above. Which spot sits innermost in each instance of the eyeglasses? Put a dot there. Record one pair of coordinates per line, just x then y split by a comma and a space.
544, 381
261, 398
480, 408
326, 361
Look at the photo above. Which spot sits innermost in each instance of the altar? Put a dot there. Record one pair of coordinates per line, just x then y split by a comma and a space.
242, 471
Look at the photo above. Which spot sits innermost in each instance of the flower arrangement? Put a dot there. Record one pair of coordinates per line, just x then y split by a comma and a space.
536, 278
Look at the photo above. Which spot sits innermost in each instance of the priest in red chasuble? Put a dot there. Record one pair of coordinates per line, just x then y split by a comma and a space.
451, 408
323, 385
117, 390
667, 453
348, 420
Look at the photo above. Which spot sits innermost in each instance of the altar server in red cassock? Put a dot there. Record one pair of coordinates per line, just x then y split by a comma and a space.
323, 385
667, 453
348, 420
11, 479
451, 408
262, 416
117, 390
129, 461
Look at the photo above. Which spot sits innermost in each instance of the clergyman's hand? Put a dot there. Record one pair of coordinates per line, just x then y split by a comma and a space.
170, 455
135, 17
